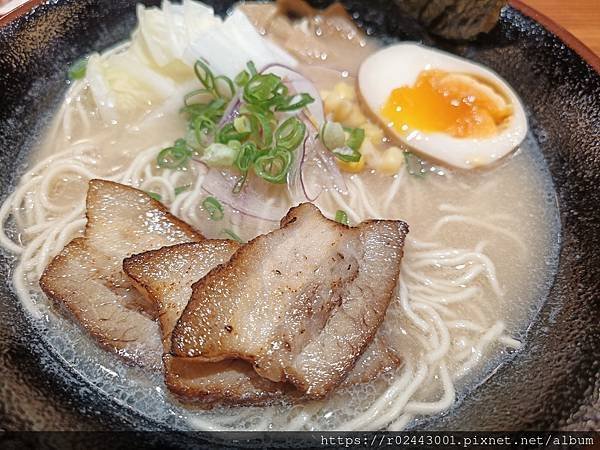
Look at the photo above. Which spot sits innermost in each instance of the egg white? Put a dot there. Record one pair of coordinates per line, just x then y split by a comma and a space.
400, 65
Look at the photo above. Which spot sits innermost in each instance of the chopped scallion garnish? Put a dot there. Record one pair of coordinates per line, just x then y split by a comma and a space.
347, 154
251, 68
174, 157
242, 78
355, 138
246, 157
254, 136
214, 208
341, 217
232, 235
78, 69
229, 133
289, 134
180, 189
204, 74
154, 195
343, 142
332, 135
273, 167
294, 102
224, 87
219, 155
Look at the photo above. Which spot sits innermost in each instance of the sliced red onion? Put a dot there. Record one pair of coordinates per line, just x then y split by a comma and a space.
323, 159
250, 201
232, 110
299, 84
313, 158
297, 186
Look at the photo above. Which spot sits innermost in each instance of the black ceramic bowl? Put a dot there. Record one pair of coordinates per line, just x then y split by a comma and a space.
553, 384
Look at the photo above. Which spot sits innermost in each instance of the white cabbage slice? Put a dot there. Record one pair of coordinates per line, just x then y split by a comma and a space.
122, 86
162, 52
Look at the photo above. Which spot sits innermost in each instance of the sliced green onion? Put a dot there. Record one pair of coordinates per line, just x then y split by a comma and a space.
78, 69
290, 134
235, 144
181, 189
242, 78
213, 110
232, 235
220, 86
203, 122
251, 68
414, 165
347, 154
229, 133
174, 157
259, 110
262, 130
242, 124
154, 195
273, 167
202, 118
355, 138
237, 188
191, 139
341, 217
202, 126
295, 102
264, 89
219, 155
224, 87
246, 157
332, 135
194, 93
254, 139
205, 75
214, 208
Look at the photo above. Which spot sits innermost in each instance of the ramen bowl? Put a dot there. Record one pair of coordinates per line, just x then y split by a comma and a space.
552, 383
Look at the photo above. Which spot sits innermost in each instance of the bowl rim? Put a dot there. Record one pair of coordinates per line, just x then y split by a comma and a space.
586, 53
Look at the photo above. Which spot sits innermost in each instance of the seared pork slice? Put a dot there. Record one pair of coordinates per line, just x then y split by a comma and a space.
231, 382
377, 359
301, 303
80, 279
87, 279
123, 221
165, 277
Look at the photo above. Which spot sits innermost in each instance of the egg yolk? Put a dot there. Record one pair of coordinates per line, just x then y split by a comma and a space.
451, 103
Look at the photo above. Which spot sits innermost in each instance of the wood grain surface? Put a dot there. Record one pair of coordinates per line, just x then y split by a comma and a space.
580, 17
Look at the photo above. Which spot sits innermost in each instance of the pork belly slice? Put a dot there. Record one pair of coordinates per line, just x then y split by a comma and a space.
166, 276
230, 382
377, 359
301, 303
87, 279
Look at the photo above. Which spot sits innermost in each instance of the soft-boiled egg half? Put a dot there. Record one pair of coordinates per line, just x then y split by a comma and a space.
442, 106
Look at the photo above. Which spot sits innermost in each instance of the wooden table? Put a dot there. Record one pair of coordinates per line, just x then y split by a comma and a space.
580, 17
